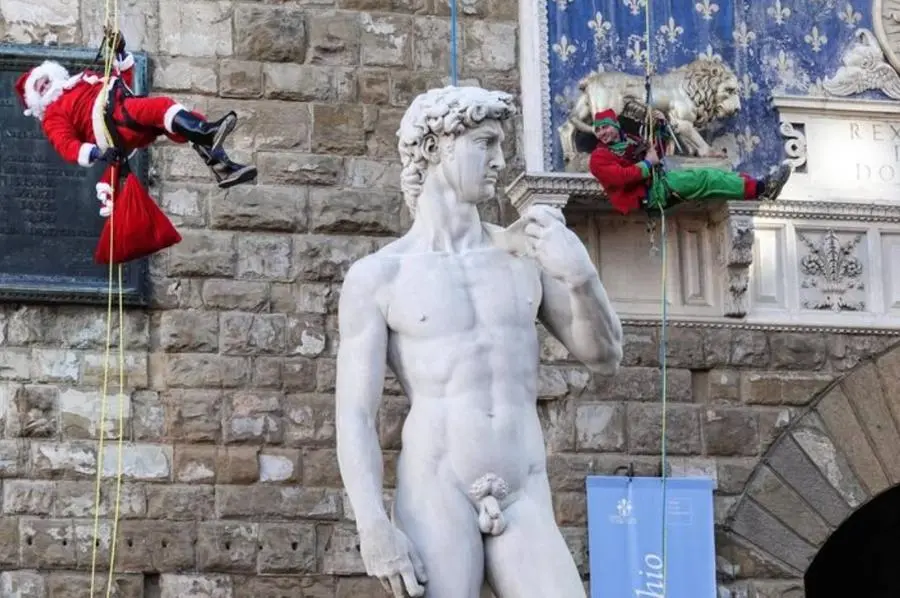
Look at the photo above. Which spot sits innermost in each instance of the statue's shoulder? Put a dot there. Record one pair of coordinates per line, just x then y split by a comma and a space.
372, 272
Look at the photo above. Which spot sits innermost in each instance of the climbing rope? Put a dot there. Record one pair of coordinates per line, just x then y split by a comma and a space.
454, 74
110, 38
658, 171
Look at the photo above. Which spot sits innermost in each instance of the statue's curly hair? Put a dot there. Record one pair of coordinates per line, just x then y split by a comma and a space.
445, 111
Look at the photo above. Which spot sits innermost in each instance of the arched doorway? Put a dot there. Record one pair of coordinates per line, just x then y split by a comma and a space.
861, 558
820, 515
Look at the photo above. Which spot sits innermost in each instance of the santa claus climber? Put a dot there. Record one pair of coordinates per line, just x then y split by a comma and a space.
624, 166
75, 117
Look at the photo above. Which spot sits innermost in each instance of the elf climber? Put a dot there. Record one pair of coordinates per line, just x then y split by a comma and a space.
623, 163
71, 112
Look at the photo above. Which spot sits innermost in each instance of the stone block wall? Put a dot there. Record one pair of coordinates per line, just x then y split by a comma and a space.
231, 487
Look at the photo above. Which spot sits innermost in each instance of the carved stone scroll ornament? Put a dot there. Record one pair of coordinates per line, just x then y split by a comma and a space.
865, 67
794, 144
737, 243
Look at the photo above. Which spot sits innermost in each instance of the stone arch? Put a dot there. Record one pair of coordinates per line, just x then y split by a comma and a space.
836, 458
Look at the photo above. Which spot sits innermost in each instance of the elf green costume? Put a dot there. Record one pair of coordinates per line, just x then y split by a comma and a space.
628, 178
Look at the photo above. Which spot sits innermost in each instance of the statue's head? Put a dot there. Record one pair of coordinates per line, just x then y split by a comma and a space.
454, 134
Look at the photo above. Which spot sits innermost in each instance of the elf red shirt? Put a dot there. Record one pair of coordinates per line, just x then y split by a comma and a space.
624, 181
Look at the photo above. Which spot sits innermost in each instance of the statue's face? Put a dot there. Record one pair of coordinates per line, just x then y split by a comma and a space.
471, 163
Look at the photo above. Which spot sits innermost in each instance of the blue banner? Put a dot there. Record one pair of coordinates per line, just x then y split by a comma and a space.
625, 525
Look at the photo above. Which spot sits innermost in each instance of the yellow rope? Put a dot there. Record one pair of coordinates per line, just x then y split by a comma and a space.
113, 20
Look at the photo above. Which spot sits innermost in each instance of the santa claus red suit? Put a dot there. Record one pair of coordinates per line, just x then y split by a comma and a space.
75, 116
89, 119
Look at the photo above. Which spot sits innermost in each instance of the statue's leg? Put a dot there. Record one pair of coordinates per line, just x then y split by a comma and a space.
442, 525
530, 559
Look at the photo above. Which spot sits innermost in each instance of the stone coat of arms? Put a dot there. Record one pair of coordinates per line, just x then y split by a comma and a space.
886, 25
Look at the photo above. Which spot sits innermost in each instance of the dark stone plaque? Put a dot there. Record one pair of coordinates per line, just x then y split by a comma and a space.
49, 212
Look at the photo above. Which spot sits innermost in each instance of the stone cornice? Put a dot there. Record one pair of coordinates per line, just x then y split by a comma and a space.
761, 327
533, 187
571, 189
835, 107
820, 210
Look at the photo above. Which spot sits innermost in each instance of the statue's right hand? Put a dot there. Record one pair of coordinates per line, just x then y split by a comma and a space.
390, 556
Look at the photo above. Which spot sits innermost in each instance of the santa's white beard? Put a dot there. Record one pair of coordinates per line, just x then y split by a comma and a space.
37, 103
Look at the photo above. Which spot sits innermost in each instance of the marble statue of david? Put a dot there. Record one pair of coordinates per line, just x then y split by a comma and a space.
450, 307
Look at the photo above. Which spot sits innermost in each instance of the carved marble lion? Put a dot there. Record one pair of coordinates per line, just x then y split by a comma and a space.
690, 96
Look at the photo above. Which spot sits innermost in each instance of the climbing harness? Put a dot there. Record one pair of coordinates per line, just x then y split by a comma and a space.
110, 39
657, 177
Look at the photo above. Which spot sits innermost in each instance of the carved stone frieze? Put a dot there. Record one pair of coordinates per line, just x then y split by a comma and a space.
865, 66
832, 270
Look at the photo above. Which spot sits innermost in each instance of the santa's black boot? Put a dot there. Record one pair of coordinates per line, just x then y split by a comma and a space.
769, 187
204, 133
227, 172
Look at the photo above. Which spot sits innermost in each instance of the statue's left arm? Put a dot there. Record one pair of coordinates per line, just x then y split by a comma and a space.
574, 307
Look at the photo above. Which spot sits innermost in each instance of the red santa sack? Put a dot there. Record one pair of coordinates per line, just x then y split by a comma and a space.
137, 226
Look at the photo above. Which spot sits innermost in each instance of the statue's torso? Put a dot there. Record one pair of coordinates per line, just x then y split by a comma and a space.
464, 345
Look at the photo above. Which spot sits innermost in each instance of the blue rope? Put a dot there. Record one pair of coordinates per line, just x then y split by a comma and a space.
453, 20
664, 315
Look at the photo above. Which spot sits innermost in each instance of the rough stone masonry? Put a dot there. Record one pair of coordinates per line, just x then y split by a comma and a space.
232, 488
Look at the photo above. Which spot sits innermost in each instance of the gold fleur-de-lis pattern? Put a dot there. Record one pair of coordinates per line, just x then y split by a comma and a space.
782, 47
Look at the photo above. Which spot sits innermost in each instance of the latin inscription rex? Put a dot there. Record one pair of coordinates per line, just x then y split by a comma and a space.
874, 148
49, 214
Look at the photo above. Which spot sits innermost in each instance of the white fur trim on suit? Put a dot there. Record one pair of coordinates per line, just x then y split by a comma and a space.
98, 124
84, 154
170, 116
126, 63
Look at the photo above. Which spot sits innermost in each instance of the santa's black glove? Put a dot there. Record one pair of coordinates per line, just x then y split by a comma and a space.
109, 156
117, 43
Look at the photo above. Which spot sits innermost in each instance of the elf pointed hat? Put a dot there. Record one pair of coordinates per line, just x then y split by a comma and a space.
606, 118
